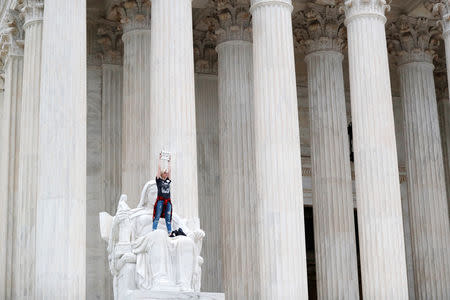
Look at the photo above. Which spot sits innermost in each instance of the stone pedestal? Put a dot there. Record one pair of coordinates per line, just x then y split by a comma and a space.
61, 200
136, 116
27, 180
279, 210
172, 97
382, 249
426, 180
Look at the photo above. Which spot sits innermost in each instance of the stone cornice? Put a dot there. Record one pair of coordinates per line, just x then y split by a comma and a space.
319, 28
234, 19
413, 39
365, 8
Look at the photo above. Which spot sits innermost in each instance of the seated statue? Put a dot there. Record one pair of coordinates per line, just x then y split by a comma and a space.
141, 258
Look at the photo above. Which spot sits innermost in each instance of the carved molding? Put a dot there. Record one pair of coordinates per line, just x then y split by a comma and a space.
133, 14
413, 39
234, 19
319, 28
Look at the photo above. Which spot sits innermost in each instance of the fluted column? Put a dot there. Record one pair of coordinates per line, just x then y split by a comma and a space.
334, 228
3, 199
236, 154
112, 81
444, 118
136, 100
27, 180
425, 168
61, 201
279, 213
206, 113
10, 133
173, 100
382, 250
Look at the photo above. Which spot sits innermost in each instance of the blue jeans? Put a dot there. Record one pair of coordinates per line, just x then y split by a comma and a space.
168, 215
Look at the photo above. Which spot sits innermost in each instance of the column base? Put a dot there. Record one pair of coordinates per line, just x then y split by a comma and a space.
149, 295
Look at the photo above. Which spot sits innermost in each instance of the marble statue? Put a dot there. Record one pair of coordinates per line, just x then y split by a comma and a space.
142, 259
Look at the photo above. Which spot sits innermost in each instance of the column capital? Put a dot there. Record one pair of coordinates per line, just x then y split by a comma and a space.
440, 79
109, 35
12, 37
205, 42
365, 8
133, 14
258, 3
234, 20
413, 39
440, 8
33, 11
319, 28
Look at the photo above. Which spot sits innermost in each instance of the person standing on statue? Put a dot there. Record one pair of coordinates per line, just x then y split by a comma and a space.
163, 205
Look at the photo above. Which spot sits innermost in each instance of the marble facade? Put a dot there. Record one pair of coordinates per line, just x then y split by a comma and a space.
254, 98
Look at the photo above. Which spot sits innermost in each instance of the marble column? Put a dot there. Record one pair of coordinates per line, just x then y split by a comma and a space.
27, 159
10, 132
136, 100
236, 153
382, 249
3, 199
112, 79
444, 119
425, 168
443, 102
206, 114
61, 200
281, 245
173, 100
334, 227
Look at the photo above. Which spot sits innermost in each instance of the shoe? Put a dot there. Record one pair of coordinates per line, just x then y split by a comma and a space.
180, 232
172, 234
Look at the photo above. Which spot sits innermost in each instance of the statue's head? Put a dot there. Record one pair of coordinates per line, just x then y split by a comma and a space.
148, 194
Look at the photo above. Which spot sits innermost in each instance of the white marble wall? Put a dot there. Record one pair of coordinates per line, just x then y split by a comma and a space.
206, 106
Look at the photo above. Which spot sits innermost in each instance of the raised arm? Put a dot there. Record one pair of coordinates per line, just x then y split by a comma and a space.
169, 168
158, 173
